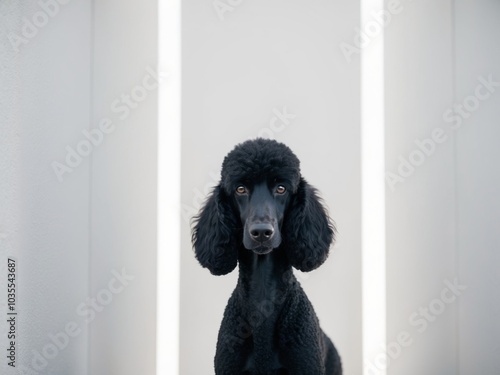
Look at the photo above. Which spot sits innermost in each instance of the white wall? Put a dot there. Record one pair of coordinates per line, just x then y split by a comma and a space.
441, 220
70, 237
264, 56
123, 186
421, 210
45, 102
478, 186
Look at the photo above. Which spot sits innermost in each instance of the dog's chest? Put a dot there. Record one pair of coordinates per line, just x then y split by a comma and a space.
263, 296
263, 357
262, 313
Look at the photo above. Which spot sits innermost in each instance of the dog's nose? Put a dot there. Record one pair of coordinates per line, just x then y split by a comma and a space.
261, 232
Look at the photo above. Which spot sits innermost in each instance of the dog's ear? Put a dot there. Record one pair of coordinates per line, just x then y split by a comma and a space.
307, 229
214, 234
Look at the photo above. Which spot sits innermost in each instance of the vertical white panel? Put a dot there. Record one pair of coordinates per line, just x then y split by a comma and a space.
420, 208
373, 189
477, 91
124, 187
169, 175
44, 107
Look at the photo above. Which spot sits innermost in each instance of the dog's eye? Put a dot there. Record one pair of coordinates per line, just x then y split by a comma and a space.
241, 190
280, 189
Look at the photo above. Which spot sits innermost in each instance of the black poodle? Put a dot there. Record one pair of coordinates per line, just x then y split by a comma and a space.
266, 217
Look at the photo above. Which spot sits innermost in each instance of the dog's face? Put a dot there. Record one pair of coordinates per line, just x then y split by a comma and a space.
262, 202
261, 208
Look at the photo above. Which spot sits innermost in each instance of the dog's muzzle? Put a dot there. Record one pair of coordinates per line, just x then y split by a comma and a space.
261, 238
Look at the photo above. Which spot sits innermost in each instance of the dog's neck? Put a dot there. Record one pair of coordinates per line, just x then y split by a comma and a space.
264, 285
265, 278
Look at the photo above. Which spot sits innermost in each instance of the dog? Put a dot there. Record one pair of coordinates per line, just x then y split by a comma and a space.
265, 217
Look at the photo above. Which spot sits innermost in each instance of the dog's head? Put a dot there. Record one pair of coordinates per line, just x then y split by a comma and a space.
261, 176
262, 203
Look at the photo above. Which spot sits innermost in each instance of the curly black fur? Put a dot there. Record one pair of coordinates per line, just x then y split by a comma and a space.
269, 325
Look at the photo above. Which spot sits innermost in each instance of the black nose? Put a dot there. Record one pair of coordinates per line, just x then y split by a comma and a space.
261, 232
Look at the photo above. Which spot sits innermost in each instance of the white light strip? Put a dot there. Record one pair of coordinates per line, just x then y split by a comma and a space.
373, 195
169, 178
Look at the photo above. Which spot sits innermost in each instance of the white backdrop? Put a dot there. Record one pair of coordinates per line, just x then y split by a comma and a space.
44, 223
261, 58
442, 219
240, 68
85, 240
